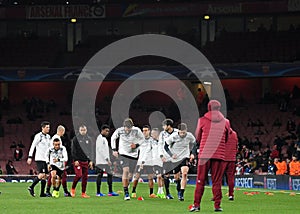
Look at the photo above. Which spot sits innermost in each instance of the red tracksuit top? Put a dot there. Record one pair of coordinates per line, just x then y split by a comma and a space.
231, 146
212, 134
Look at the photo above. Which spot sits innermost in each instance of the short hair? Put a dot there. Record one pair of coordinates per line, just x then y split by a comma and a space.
128, 123
56, 140
147, 126
82, 126
44, 124
60, 127
104, 126
182, 127
168, 122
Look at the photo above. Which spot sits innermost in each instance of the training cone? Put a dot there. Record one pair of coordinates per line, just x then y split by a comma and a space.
140, 198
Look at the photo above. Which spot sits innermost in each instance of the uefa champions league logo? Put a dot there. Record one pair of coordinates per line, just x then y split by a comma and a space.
106, 59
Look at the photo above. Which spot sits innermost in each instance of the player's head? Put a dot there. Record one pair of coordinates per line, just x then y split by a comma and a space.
146, 131
60, 130
82, 130
294, 157
128, 124
56, 143
182, 129
155, 133
105, 130
167, 124
214, 105
45, 125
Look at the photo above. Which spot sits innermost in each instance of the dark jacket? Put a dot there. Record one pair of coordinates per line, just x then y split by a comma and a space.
82, 148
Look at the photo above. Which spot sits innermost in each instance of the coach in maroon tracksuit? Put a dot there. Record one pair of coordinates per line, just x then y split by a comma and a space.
212, 134
230, 158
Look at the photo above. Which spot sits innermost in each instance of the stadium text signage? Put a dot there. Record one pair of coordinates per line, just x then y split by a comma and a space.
244, 182
228, 9
295, 184
65, 11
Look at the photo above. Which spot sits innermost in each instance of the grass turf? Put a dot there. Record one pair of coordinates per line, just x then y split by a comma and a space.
16, 199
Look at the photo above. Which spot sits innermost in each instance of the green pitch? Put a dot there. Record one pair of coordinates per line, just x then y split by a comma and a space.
16, 199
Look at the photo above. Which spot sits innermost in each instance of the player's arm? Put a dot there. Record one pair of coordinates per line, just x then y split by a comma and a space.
194, 146
169, 141
32, 147
113, 139
74, 149
48, 154
64, 155
161, 145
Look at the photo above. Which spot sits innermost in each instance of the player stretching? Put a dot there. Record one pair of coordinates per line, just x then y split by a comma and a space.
57, 156
130, 138
60, 131
180, 145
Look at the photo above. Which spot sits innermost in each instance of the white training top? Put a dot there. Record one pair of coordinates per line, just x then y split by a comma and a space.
146, 152
156, 160
126, 139
60, 154
102, 150
161, 143
41, 143
180, 145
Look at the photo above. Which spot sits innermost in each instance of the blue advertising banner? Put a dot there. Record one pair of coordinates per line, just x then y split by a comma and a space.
121, 73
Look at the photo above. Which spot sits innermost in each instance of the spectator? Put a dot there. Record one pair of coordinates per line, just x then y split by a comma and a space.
294, 166
272, 169
10, 169
239, 170
1, 171
247, 168
274, 152
281, 167
13, 145
20, 144
18, 153
297, 147
200, 97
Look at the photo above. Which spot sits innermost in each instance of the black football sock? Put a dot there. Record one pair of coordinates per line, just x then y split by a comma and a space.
36, 180
151, 191
43, 185
167, 185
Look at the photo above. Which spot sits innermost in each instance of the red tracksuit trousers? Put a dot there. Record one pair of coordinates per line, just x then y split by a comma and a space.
217, 170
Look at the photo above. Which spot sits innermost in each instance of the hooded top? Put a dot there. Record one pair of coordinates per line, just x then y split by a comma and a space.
212, 132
